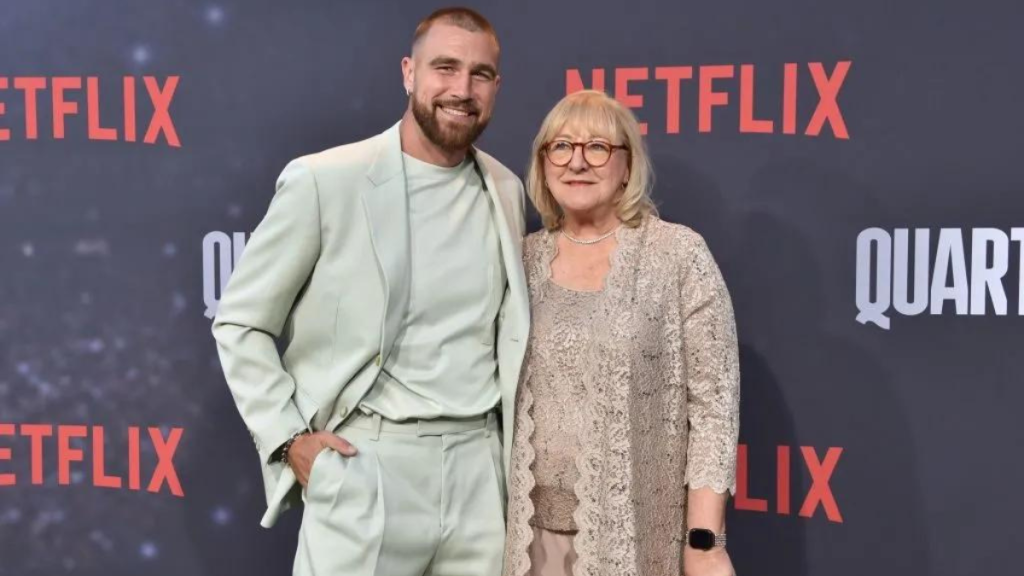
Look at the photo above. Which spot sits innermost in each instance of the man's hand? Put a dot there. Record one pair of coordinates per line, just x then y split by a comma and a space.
714, 562
306, 448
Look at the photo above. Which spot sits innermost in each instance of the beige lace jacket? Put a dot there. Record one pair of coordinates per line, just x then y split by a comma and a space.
662, 409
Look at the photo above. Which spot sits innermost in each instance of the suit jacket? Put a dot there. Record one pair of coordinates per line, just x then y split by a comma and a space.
327, 272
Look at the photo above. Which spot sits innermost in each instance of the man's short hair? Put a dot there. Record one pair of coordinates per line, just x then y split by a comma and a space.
465, 18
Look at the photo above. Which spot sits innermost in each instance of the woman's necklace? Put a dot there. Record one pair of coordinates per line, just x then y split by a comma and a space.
591, 241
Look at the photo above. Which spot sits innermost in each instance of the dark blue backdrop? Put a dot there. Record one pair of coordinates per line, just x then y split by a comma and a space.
104, 290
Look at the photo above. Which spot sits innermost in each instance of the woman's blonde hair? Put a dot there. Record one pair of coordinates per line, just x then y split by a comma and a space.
600, 115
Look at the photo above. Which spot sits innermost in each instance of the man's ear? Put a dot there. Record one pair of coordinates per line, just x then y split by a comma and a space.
408, 73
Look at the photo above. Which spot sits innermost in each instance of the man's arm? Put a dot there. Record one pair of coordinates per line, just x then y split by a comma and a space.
277, 262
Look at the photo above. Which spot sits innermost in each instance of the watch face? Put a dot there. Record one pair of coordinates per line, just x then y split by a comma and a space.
702, 539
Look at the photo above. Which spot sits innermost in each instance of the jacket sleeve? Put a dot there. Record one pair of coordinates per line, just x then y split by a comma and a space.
277, 262
713, 374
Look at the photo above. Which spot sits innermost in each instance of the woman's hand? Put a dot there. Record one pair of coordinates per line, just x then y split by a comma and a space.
714, 562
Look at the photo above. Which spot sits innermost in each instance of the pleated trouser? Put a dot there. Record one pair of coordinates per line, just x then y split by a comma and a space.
421, 498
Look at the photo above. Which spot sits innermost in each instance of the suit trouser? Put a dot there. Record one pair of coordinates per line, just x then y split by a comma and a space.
421, 498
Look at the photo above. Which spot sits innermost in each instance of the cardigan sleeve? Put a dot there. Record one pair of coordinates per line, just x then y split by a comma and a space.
712, 373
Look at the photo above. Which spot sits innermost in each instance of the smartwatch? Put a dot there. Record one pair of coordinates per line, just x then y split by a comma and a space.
704, 539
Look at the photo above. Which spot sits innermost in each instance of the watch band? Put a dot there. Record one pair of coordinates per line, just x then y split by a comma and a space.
281, 454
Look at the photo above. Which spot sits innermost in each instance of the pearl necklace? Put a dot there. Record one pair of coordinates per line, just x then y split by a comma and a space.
592, 241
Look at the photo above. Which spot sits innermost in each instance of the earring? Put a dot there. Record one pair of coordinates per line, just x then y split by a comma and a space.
408, 92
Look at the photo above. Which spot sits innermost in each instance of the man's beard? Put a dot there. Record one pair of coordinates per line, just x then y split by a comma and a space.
450, 138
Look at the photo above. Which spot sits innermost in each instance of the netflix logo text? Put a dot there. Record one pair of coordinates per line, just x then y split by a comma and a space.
70, 96
77, 448
818, 497
702, 89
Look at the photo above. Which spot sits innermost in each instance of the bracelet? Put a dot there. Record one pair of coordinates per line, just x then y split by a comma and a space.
288, 444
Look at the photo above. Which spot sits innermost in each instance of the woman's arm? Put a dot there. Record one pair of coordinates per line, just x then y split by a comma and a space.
712, 375
706, 509
713, 392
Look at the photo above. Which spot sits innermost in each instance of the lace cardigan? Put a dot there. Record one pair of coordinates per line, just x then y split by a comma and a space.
662, 411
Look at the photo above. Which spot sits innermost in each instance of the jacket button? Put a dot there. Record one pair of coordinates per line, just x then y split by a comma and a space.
377, 360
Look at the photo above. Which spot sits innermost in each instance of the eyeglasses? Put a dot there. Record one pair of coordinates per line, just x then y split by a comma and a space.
595, 152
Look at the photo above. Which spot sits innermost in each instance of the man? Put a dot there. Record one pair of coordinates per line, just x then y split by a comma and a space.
392, 269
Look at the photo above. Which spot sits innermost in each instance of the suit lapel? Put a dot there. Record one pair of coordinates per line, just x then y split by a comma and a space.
510, 251
387, 210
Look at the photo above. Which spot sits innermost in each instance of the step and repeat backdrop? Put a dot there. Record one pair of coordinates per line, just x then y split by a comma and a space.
854, 166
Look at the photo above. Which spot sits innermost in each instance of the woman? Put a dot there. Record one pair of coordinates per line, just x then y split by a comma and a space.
629, 403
